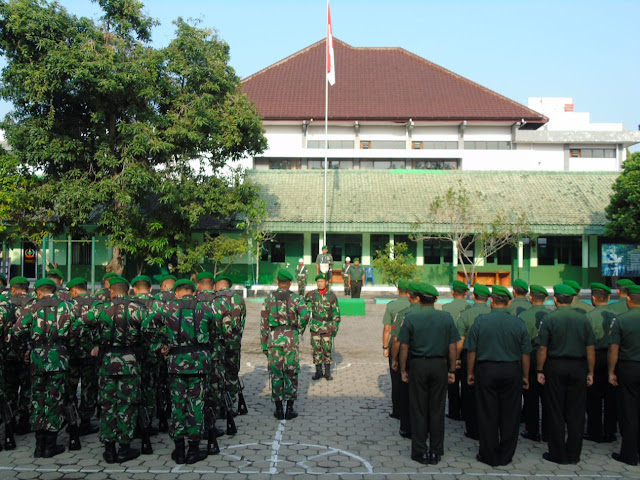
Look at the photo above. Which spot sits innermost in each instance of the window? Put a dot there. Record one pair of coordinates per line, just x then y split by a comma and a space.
278, 252
439, 145
378, 244
412, 247
333, 164
81, 253
504, 256
592, 153
383, 144
560, 251
483, 145
436, 164
280, 164
332, 144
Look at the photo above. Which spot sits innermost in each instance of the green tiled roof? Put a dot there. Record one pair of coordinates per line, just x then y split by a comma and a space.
568, 203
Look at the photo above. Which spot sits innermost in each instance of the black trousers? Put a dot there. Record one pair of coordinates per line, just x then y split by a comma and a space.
565, 405
468, 397
533, 399
453, 394
403, 406
629, 408
427, 397
498, 390
396, 380
601, 395
356, 286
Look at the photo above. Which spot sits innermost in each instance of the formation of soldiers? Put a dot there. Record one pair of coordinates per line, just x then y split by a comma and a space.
174, 356
580, 362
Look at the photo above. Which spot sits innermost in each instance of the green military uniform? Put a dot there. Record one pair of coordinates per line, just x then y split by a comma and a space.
518, 305
578, 304
393, 307
355, 279
302, 273
6, 325
346, 267
455, 307
325, 260
619, 307
325, 322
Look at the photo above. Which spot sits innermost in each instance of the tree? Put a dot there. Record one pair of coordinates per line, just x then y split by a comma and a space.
220, 249
123, 133
395, 264
623, 211
451, 215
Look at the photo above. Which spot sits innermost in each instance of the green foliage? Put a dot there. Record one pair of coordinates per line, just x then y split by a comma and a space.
220, 249
395, 264
623, 211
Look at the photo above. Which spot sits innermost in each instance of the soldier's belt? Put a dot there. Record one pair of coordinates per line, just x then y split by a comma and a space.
284, 327
118, 349
199, 347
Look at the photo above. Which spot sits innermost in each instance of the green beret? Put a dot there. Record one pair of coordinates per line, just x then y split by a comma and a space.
322, 276
203, 275
564, 289
481, 290
403, 284
223, 277
599, 286
323, 247
500, 290
19, 281
74, 282
3, 279
625, 282
414, 287
357, 259
428, 289
169, 277
633, 288
45, 281
573, 284
108, 275
539, 289
459, 286
116, 280
141, 278
284, 275
55, 273
521, 284
184, 281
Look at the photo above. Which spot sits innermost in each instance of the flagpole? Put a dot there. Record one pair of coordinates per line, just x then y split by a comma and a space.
326, 128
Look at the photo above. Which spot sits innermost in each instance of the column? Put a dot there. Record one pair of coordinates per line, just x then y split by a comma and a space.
392, 243
306, 248
420, 252
520, 254
454, 254
594, 253
585, 259
366, 249
477, 250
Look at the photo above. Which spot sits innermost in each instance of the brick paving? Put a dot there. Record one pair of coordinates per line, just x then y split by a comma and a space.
343, 432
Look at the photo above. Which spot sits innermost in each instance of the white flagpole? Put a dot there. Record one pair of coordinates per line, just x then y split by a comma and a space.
326, 126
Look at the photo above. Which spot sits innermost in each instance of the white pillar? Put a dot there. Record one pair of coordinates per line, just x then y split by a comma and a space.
366, 249
533, 260
520, 254
477, 248
585, 251
306, 248
420, 252
392, 243
455, 254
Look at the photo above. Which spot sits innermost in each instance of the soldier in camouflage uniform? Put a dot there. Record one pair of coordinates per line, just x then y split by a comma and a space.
82, 367
17, 377
46, 326
166, 289
6, 317
118, 336
61, 292
186, 338
302, 273
229, 312
105, 294
325, 322
284, 316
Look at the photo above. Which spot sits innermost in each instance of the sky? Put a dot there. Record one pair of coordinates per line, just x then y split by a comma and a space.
587, 50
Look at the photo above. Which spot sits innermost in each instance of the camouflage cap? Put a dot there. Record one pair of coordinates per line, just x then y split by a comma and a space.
428, 289
482, 290
459, 286
221, 277
284, 275
19, 281
54, 272
321, 276
625, 282
500, 290
108, 275
141, 278
184, 282
45, 281
75, 282
521, 284
116, 280
204, 275
573, 284
633, 288
564, 289
599, 286
538, 289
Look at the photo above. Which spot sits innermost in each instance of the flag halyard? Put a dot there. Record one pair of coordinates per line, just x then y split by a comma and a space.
331, 67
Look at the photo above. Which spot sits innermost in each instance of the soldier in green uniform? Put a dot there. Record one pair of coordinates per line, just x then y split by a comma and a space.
302, 273
356, 278
601, 395
325, 322
428, 337
624, 374
578, 304
459, 291
6, 324
61, 292
345, 275
520, 301
324, 262
163, 407
284, 317
465, 321
105, 294
45, 326
498, 349
533, 395
566, 359
118, 336
619, 307
186, 338
393, 307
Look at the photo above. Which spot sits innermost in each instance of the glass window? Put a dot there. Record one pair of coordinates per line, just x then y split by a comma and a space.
332, 144
366, 164
278, 252
334, 164
81, 253
280, 163
431, 252
586, 153
546, 254
598, 153
378, 244
609, 153
505, 255
436, 164
412, 247
388, 164
383, 144
492, 145
575, 153
504, 145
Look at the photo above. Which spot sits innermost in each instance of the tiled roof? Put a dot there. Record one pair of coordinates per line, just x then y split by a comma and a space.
376, 84
569, 203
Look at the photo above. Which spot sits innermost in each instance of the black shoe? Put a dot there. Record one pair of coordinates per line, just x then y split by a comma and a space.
40, 440
404, 433
51, 448
279, 413
395, 415
74, 439
195, 454
471, 436
291, 412
126, 453
178, 455
609, 438
453, 417
481, 459
547, 456
327, 371
423, 459
318, 375
110, 455
146, 448
87, 428
9, 438
434, 458
212, 443
620, 458
530, 436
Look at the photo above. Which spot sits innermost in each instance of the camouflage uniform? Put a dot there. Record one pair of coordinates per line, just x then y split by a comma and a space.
325, 322
5, 327
63, 294
186, 331
215, 388
103, 295
284, 315
46, 326
163, 378
229, 313
302, 273
345, 277
118, 334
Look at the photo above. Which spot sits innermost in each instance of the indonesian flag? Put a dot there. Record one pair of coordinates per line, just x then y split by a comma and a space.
331, 66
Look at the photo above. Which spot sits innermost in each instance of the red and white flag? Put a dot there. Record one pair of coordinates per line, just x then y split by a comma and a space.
331, 66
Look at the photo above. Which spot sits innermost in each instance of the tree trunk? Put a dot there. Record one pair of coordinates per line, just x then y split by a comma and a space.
116, 264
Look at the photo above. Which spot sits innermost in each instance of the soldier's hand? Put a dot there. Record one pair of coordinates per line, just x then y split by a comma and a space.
451, 378
94, 351
589, 379
613, 379
541, 379
405, 377
458, 364
471, 379
27, 356
385, 352
394, 365
164, 350
525, 383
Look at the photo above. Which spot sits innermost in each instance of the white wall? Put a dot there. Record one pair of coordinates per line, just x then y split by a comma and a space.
496, 134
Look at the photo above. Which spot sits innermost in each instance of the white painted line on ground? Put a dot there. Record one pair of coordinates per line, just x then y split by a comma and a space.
276, 447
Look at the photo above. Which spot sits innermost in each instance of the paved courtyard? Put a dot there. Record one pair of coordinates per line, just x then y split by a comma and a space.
343, 431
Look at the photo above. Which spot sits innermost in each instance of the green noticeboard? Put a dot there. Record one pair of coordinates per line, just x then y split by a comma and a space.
352, 307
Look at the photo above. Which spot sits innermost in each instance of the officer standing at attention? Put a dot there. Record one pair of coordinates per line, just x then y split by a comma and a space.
620, 306
325, 322
105, 294
624, 374
601, 395
324, 262
481, 294
284, 317
566, 360
302, 273
345, 275
533, 395
429, 337
459, 291
520, 301
578, 304
498, 348
393, 307
356, 278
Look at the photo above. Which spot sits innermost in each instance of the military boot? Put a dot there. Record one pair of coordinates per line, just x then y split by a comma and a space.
318, 374
51, 448
74, 439
146, 449
110, 455
178, 454
291, 412
9, 439
87, 428
195, 454
40, 439
212, 442
327, 371
279, 413
126, 453
23, 426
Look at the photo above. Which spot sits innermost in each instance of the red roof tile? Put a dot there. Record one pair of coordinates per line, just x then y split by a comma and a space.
375, 84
